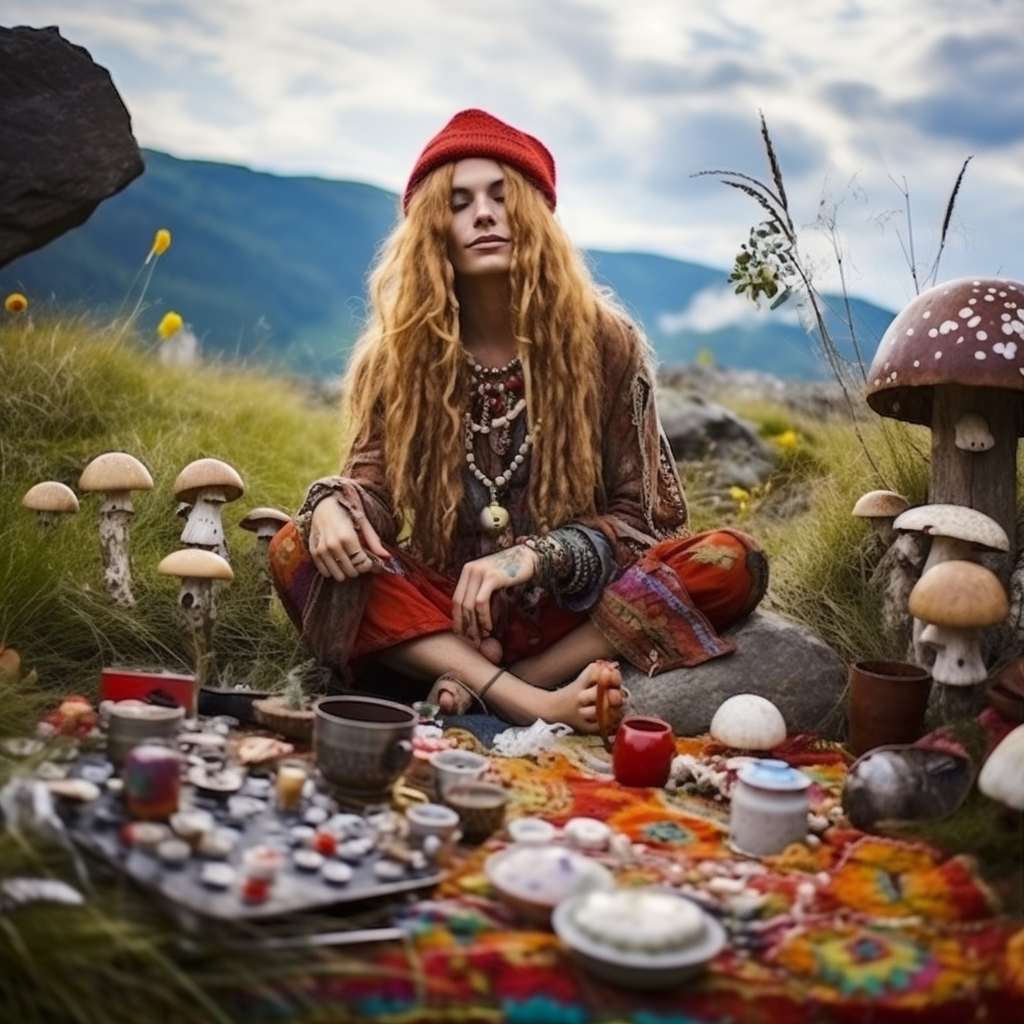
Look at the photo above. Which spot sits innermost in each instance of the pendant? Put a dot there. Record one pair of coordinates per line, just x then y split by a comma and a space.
494, 519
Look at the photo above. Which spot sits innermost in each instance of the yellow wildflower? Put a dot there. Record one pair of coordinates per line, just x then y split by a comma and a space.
15, 303
161, 243
170, 324
787, 440
739, 495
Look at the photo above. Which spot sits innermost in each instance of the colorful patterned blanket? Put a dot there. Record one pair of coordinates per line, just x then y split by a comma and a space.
852, 927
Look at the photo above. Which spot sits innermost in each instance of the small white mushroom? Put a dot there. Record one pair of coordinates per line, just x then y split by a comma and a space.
206, 485
880, 509
972, 433
50, 499
116, 475
265, 523
957, 599
198, 570
1002, 775
748, 722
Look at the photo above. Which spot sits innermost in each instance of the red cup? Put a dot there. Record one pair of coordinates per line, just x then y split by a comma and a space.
643, 751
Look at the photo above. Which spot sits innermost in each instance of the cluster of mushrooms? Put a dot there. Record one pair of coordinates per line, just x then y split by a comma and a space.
953, 360
201, 490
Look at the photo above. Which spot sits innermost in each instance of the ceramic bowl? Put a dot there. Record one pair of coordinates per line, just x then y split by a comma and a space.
480, 807
533, 879
637, 968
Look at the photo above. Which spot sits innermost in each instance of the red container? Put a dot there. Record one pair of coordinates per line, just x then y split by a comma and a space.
152, 781
643, 751
156, 687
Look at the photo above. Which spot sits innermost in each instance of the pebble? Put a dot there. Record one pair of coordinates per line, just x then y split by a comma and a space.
217, 875
308, 860
337, 873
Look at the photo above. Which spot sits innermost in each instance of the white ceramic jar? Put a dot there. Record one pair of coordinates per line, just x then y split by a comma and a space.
769, 808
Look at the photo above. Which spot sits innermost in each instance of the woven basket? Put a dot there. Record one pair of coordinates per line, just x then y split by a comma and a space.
273, 714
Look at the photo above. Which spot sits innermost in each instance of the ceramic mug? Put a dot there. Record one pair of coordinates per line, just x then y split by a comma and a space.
362, 744
452, 767
642, 751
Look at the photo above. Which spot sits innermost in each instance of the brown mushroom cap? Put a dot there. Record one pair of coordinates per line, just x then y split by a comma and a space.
196, 563
957, 521
50, 496
203, 473
264, 516
115, 471
969, 331
959, 595
880, 505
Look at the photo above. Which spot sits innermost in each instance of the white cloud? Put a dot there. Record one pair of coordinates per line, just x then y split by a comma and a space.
716, 308
633, 98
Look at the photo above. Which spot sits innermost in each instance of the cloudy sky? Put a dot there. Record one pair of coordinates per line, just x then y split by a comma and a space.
868, 101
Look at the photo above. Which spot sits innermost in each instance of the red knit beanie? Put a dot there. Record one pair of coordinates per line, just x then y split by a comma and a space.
475, 133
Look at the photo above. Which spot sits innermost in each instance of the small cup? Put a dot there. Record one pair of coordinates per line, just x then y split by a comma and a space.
289, 785
481, 808
643, 751
454, 767
431, 820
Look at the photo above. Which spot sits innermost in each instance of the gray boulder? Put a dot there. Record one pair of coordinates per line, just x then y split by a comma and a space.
699, 430
775, 658
66, 140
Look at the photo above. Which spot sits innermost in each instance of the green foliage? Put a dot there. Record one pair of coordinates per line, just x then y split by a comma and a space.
72, 390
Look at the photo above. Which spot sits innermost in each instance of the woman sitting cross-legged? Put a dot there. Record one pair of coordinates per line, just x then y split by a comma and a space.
508, 522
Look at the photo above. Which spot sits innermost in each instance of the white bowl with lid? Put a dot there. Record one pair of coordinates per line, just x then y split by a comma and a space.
769, 807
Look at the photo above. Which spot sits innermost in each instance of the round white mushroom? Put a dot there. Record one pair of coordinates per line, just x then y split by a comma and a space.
748, 722
1002, 775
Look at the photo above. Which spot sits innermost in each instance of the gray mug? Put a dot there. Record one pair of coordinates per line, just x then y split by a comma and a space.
362, 744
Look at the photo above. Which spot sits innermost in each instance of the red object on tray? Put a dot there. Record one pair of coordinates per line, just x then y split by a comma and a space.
155, 687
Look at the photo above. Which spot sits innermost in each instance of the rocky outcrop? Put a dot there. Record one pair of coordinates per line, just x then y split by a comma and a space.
66, 140
775, 658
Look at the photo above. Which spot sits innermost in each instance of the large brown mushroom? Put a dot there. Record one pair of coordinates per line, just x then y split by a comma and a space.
116, 475
953, 360
957, 599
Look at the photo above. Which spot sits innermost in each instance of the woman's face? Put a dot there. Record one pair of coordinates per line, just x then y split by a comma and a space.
479, 240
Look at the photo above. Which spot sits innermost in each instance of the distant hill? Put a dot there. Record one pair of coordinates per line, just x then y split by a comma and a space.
273, 270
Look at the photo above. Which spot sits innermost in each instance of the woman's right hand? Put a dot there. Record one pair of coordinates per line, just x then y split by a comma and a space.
340, 547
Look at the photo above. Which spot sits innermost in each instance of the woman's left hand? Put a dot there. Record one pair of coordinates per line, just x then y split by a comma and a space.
480, 580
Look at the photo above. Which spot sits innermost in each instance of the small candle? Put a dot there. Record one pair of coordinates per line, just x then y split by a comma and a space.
291, 780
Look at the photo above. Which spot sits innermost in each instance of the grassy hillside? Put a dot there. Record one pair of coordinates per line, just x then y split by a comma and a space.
273, 269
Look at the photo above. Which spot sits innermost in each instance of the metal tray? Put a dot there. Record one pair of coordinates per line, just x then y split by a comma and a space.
96, 827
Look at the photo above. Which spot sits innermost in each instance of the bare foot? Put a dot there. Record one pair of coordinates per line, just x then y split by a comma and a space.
592, 703
451, 695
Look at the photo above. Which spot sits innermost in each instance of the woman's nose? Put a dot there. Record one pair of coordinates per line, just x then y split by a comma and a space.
484, 212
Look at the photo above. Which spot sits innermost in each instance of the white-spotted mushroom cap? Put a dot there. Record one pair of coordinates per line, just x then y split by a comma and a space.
880, 505
196, 563
1002, 775
958, 522
50, 496
959, 594
208, 475
968, 331
264, 522
115, 471
748, 722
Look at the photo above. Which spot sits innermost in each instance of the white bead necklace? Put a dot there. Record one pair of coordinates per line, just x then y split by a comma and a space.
494, 519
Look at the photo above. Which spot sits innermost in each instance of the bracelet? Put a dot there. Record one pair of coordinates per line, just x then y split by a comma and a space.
490, 682
567, 561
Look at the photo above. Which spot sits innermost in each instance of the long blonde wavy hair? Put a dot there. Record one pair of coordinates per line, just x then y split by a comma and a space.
409, 378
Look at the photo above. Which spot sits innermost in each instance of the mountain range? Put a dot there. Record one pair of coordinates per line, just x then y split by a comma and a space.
273, 269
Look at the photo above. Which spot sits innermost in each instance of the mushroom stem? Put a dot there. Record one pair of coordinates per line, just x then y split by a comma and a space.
958, 660
199, 611
114, 533
203, 526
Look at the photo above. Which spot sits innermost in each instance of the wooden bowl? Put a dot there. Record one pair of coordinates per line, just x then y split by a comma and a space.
273, 714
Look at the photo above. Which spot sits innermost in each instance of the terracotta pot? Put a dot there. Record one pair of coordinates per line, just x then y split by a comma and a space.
887, 703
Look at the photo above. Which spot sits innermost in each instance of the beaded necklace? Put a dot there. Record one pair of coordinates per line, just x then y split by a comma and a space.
501, 401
